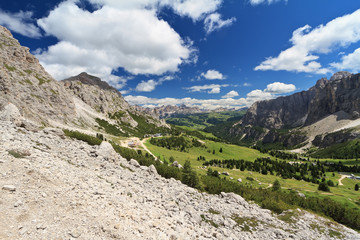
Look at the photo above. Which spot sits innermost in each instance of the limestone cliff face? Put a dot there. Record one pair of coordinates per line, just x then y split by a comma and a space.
340, 93
105, 99
25, 83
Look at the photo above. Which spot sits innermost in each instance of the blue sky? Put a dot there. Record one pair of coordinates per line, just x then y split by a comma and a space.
206, 53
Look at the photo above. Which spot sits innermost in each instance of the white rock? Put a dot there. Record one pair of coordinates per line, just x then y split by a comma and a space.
10, 188
152, 170
134, 163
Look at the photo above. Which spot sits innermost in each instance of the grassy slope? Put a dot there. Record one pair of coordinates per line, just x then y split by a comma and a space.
344, 194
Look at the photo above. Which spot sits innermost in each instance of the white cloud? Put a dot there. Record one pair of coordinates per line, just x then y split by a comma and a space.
150, 85
258, 95
257, 2
272, 91
109, 38
349, 62
21, 23
247, 84
340, 32
201, 103
214, 22
231, 94
213, 75
213, 88
146, 86
278, 88
195, 9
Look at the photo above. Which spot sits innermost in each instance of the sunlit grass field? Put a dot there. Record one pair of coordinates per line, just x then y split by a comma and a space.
344, 194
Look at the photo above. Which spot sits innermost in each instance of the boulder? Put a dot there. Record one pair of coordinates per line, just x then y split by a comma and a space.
152, 170
107, 151
176, 164
134, 163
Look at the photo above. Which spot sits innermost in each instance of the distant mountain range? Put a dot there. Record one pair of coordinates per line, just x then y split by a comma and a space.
169, 111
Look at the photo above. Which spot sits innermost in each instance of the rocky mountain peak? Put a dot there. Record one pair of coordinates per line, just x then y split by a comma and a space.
88, 79
340, 75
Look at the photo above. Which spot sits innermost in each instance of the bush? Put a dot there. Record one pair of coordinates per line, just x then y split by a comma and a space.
330, 183
276, 185
323, 186
356, 187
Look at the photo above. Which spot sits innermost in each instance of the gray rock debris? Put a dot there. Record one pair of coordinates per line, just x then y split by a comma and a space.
69, 192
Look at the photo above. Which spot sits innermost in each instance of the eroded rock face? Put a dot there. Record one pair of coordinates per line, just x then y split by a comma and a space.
106, 99
61, 190
25, 83
340, 93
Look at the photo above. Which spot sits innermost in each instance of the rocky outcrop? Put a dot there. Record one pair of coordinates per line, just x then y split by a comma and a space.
60, 189
107, 100
326, 140
339, 94
25, 83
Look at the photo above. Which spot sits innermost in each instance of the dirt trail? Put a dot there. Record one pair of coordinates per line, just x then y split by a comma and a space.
340, 179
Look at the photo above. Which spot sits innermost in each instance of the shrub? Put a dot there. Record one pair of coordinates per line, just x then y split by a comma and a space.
276, 185
83, 137
323, 186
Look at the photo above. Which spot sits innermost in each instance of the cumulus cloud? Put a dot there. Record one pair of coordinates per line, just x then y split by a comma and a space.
150, 85
109, 38
247, 84
349, 62
213, 75
146, 86
272, 90
214, 22
257, 2
195, 9
228, 101
212, 88
120, 34
21, 23
231, 94
309, 43
278, 88
201, 103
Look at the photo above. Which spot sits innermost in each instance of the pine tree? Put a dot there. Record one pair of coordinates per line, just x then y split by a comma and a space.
189, 177
276, 185
323, 187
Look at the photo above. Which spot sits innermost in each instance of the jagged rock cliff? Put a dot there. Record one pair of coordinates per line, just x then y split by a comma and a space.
25, 83
107, 100
340, 94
